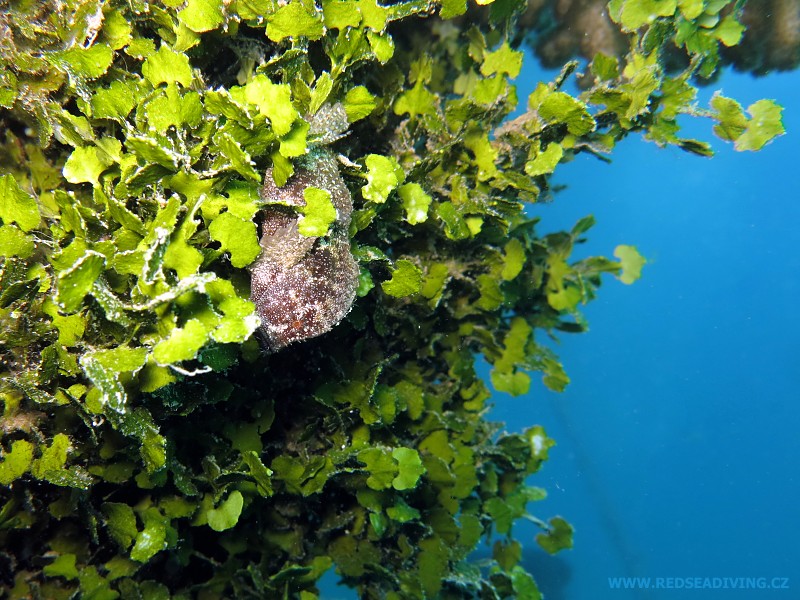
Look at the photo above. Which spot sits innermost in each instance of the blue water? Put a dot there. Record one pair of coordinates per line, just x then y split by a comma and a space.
678, 436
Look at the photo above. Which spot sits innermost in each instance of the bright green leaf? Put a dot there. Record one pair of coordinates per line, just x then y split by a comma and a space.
374, 15
340, 14
294, 20
236, 236
763, 126
120, 213
8, 90
562, 294
122, 359
379, 523
490, 90
154, 446
226, 515
152, 151
238, 323
167, 66
514, 259
381, 466
153, 256
729, 31
16, 205
382, 45
282, 169
504, 375
416, 101
320, 92
239, 158
435, 282
358, 103
516, 383
564, 297
202, 15
153, 538
260, 473
563, 108
383, 176
631, 262
70, 328
170, 108
453, 8
116, 30
415, 202
409, 468
86, 164
112, 393
503, 60
114, 102
141, 48
731, 117
524, 585
638, 13
456, 227
514, 351
62, 566
86, 62
691, 9
406, 280
491, 297
15, 243
545, 161
241, 199
274, 101
75, 282
605, 67
53, 458
539, 444
182, 344
293, 144
182, 257
318, 213
16, 462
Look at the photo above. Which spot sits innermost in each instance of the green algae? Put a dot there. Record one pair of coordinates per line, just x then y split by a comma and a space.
150, 449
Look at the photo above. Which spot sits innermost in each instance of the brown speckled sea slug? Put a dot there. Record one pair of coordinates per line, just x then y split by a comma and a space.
303, 286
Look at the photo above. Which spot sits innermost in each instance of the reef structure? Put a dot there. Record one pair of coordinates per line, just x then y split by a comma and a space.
576, 28
564, 29
771, 40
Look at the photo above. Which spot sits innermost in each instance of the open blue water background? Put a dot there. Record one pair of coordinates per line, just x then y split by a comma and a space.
679, 436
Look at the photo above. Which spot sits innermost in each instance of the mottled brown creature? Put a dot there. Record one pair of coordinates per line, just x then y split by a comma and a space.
303, 286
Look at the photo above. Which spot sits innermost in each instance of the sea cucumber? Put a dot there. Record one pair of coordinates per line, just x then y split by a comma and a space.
303, 286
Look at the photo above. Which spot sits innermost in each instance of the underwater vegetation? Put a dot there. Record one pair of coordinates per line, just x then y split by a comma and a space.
251, 252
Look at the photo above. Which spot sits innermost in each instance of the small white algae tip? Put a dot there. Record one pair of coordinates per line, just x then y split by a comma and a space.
303, 286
